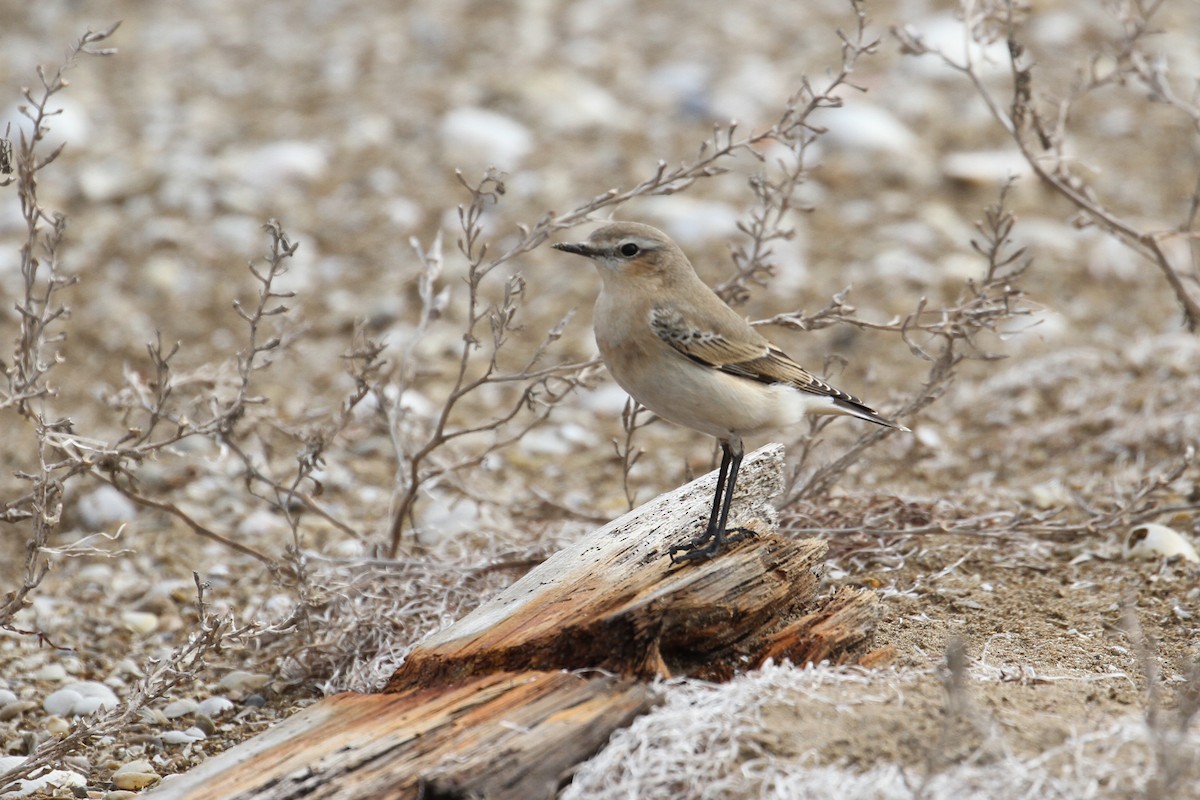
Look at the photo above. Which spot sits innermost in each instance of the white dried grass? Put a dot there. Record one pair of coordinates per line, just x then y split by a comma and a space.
712, 741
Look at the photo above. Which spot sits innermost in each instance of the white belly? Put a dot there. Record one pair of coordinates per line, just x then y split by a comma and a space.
711, 401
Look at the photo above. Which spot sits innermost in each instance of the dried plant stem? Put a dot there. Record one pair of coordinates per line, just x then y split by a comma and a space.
943, 337
416, 470
1040, 137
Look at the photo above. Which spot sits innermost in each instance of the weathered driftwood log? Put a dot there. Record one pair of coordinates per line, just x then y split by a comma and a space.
499, 736
482, 708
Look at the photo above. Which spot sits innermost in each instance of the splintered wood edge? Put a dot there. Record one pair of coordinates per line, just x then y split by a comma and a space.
840, 630
617, 553
351, 745
672, 620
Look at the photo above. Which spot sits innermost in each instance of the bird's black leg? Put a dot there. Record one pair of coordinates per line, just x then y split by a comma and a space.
715, 533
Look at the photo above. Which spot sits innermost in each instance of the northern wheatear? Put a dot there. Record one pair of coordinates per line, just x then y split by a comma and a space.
677, 349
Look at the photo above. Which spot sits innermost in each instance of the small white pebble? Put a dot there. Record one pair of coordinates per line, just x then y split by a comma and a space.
142, 623
214, 706
51, 672
487, 135
262, 523
127, 666
97, 690
179, 737
345, 548
180, 708
104, 506
7, 697
985, 168
240, 680
140, 765
14, 710
152, 716
61, 702
87, 705
1050, 494
57, 726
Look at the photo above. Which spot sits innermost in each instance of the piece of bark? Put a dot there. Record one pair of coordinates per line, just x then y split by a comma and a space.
501, 736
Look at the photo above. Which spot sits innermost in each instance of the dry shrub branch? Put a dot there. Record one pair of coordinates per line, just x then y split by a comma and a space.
39, 318
432, 453
1038, 119
944, 337
158, 406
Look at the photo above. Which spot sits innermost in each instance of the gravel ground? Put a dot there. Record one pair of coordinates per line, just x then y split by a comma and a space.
1003, 523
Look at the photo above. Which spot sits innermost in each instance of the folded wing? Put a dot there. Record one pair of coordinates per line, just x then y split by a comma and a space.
747, 355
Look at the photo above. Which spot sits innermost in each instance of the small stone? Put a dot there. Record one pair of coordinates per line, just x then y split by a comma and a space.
944, 34
57, 726
142, 623
61, 702
87, 705
862, 126
180, 708
240, 680
255, 701
345, 548
97, 690
214, 706
179, 737
985, 168
135, 775
7, 697
103, 507
1050, 494
153, 716
262, 523
50, 672
485, 136
49, 784
285, 161
14, 710
136, 780
103, 181
127, 666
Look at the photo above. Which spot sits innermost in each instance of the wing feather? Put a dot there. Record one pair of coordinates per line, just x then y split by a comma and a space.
748, 355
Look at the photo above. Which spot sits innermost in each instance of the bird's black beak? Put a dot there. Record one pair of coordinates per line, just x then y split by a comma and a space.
579, 249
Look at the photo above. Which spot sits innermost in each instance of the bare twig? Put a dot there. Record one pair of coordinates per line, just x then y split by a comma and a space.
943, 337
1040, 135
34, 355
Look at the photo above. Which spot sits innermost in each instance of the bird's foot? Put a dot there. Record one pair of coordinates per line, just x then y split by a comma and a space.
695, 547
738, 534
698, 550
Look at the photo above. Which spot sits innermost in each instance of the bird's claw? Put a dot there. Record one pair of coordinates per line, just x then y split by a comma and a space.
694, 551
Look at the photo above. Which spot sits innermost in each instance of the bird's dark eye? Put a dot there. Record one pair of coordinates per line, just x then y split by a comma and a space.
629, 249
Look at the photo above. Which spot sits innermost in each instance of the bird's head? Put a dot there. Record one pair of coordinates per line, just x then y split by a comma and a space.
630, 251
